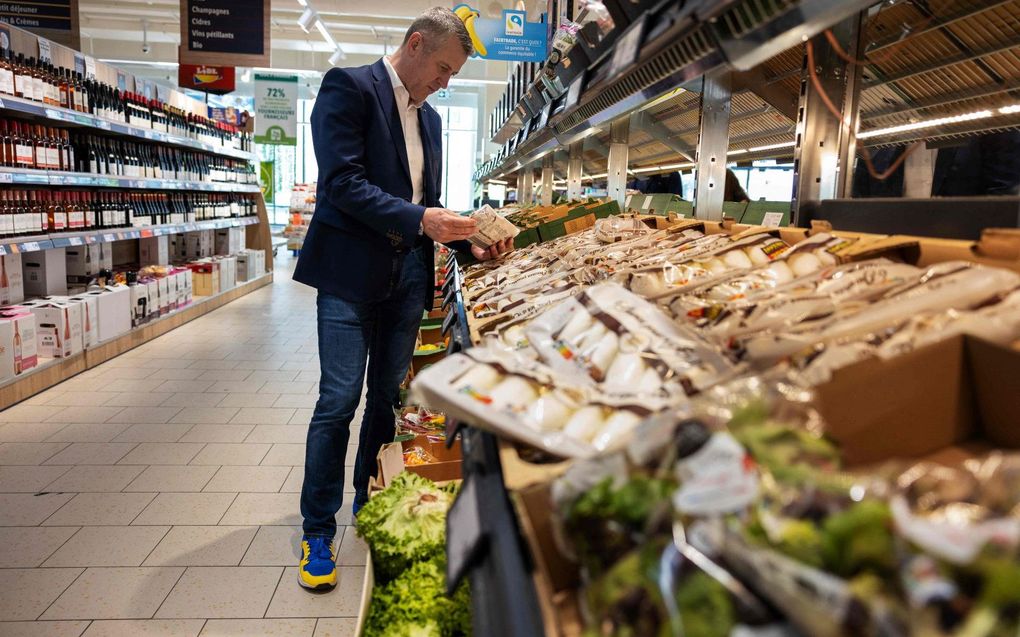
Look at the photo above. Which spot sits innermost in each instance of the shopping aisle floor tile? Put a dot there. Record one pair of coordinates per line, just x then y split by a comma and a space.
335, 627
291, 600
115, 593
43, 629
145, 628
29, 592
29, 546
249, 627
206, 592
202, 546
275, 546
108, 546
172, 479
98, 536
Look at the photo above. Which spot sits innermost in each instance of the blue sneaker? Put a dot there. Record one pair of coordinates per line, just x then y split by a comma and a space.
318, 563
355, 508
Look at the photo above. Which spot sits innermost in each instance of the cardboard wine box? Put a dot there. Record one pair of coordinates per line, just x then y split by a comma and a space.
12, 281
154, 250
228, 273
18, 346
206, 276
139, 304
83, 262
45, 272
163, 288
113, 310
59, 329
89, 316
171, 292
229, 240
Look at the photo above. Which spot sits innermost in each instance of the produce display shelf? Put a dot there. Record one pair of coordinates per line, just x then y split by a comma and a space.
50, 372
55, 114
36, 177
484, 542
38, 243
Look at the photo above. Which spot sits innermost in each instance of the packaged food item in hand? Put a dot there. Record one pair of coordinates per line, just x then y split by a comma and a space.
492, 228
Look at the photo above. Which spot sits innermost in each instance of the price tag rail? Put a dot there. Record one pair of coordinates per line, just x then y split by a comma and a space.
36, 177
17, 245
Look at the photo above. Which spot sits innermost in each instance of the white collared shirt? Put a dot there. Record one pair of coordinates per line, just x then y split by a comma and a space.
408, 111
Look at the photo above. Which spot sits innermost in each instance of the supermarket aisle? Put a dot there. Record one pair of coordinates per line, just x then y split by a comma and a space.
158, 494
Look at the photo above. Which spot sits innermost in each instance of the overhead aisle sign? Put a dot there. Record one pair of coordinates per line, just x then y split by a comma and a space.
276, 109
510, 38
53, 19
225, 32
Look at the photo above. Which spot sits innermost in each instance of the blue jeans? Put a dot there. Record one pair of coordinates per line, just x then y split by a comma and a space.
351, 334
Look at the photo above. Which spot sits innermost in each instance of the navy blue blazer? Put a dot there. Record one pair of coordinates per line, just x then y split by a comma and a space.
364, 223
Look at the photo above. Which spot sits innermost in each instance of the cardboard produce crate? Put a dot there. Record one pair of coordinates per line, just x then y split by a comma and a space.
948, 402
390, 461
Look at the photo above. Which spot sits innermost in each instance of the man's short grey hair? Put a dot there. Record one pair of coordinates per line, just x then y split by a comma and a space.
436, 25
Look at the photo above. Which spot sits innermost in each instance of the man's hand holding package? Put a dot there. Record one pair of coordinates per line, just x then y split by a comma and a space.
494, 251
444, 225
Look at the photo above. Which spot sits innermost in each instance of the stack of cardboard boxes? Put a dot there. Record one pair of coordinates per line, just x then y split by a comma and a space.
67, 313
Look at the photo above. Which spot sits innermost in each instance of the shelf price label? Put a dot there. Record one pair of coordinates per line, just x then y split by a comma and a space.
6, 178
31, 246
75, 241
109, 238
102, 123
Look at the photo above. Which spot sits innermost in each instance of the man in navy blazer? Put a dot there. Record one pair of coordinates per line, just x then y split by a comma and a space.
369, 252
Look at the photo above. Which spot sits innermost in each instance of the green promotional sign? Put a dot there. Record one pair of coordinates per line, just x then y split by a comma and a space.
276, 109
267, 179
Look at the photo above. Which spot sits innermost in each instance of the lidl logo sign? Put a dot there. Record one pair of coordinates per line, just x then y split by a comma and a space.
514, 22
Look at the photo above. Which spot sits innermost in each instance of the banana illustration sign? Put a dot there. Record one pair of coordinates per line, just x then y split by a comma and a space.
511, 38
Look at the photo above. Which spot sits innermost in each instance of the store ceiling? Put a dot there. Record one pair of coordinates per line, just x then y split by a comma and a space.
116, 29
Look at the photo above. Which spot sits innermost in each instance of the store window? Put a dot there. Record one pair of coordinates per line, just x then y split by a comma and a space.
290, 164
460, 141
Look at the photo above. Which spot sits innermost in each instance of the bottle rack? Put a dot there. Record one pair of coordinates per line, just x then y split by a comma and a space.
57, 115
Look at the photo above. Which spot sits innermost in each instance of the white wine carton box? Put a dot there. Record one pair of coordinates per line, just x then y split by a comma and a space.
59, 329
12, 280
228, 272
139, 304
154, 250
163, 288
153, 309
45, 272
18, 346
113, 311
229, 240
89, 316
83, 262
173, 300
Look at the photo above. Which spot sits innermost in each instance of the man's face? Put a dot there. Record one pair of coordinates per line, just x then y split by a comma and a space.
432, 71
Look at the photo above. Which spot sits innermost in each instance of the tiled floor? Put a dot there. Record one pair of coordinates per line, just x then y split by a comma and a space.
158, 494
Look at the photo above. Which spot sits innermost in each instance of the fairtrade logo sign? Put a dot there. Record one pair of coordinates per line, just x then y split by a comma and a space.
510, 37
514, 22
